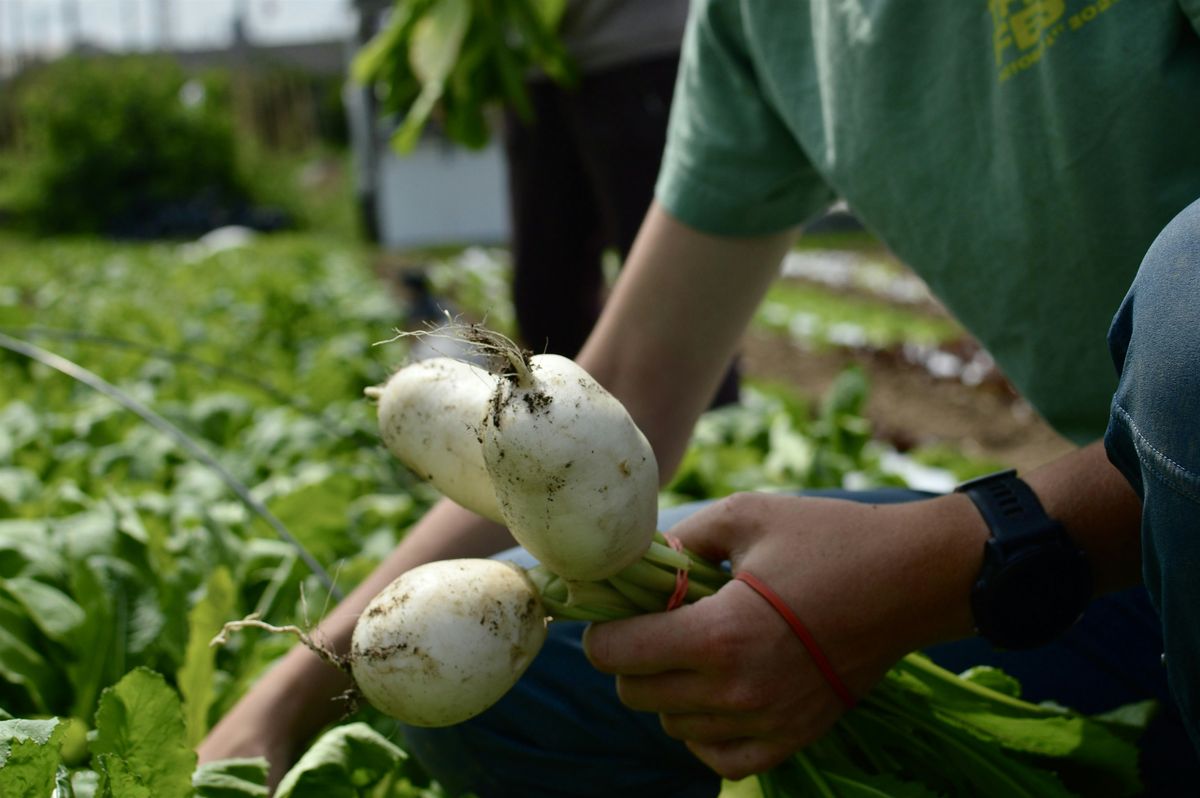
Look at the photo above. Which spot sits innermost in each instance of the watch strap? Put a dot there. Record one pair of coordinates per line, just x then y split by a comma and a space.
1035, 581
1008, 505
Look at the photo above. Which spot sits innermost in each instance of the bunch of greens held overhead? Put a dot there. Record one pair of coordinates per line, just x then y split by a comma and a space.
451, 59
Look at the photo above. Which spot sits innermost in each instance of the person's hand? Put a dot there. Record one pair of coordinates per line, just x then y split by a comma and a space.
871, 583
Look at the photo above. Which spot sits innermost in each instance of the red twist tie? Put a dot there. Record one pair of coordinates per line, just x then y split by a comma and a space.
681, 577
810, 643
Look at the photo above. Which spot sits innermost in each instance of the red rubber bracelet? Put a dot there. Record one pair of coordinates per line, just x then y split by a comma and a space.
814, 651
681, 578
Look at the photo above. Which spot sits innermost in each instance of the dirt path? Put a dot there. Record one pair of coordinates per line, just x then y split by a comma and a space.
910, 407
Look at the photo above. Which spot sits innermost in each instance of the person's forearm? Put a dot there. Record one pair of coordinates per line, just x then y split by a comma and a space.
674, 322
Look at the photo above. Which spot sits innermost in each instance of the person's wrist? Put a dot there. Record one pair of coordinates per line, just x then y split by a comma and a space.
947, 537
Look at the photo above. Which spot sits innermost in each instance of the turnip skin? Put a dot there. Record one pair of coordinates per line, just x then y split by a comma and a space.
446, 640
430, 417
576, 480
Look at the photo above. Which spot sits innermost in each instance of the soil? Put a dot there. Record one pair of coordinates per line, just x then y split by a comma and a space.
910, 407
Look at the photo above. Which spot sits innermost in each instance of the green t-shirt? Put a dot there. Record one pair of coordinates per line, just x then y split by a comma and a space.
1020, 155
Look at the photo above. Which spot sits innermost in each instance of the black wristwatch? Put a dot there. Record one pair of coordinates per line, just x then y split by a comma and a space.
1035, 582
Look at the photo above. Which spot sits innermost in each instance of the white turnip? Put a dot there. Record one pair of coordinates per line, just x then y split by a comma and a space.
430, 417
446, 640
576, 480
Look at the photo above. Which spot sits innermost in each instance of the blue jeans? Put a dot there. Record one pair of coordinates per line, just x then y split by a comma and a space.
562, 732
1153, 437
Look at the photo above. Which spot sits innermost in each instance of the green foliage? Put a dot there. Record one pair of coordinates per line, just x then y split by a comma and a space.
924, 732
196, 675
140, 749
774, 441
342, 764
118, 553
232, 778
113, 137
457, 57
140, 738
816, 317
29, 756
109, 533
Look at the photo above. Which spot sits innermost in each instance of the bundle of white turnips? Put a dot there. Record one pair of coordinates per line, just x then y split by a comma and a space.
538, 445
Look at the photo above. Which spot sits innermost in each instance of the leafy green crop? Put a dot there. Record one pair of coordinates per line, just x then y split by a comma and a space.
117, 550
818, 318
140, 749
772, 440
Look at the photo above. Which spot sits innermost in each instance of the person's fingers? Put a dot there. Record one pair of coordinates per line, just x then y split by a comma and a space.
690, 691
671, 692
739, 758
707, 727
648, 643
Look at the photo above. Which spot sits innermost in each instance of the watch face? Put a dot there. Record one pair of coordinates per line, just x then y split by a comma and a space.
1033, 595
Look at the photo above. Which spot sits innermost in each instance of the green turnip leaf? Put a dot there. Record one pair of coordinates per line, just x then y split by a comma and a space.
232, 778
140, 737
199, 665
344, 761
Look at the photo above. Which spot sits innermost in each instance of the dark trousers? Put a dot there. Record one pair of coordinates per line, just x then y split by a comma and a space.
580, 180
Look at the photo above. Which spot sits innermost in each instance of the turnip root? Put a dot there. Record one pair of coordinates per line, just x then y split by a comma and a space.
576, 480
430, 417
446, 640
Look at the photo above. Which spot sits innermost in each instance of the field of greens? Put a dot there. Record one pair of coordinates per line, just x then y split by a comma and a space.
122, 554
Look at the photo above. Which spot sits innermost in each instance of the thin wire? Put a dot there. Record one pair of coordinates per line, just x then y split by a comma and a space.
99, 384
78, 336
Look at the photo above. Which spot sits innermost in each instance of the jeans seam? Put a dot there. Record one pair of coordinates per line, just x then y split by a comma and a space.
1169, 472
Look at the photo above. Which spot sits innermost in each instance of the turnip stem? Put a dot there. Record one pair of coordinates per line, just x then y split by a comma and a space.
704, 571
664, 555
647, 575
660, 580
598, 595
697, 590
645, 586
700, 567
560, 611
580, 601
814, 775
646, 600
